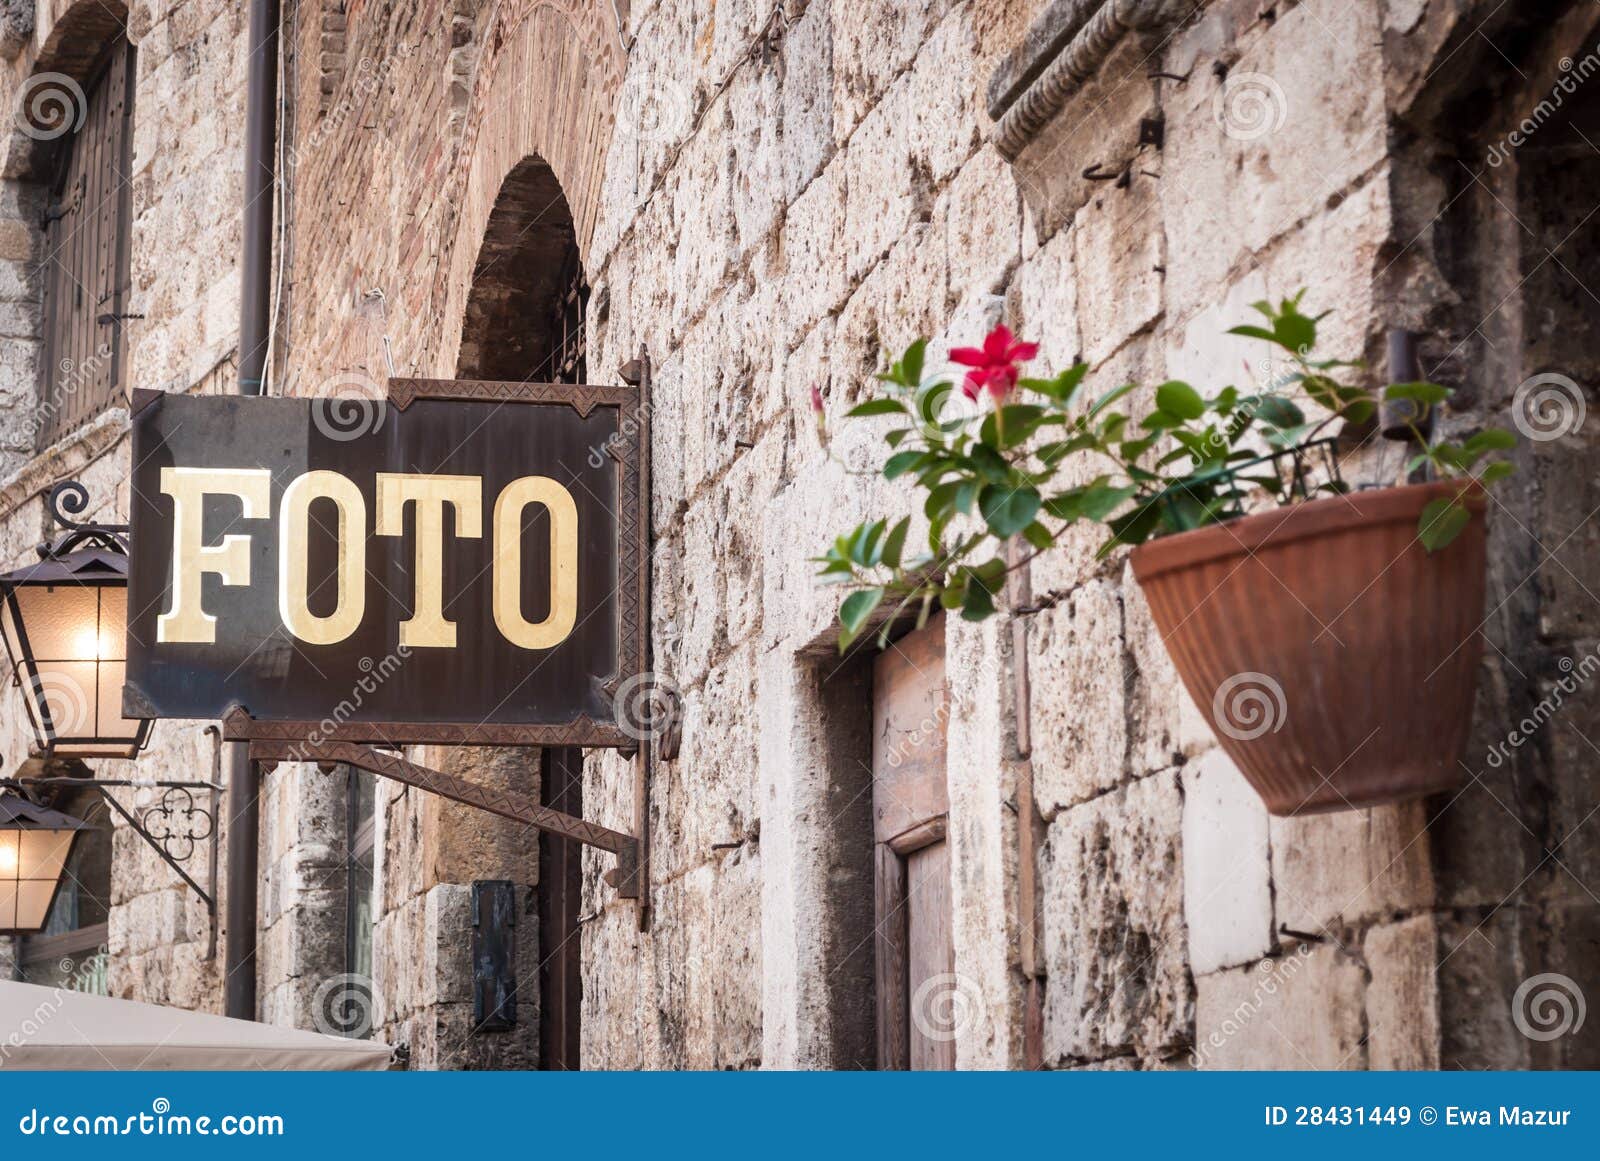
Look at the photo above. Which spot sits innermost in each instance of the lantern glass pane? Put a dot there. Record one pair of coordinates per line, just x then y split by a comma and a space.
62, 622
113, 674
10, 856
43, 854
33, 903
8, 905
68, 690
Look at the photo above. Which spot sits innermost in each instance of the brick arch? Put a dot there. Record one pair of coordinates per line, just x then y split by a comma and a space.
75, 34
546, 89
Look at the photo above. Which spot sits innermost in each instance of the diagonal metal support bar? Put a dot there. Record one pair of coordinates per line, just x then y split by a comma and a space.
516, 807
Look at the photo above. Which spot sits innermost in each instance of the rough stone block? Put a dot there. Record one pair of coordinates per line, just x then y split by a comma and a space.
983, 226
1119, 258
1343, 867
883, 196
1079, 737
1294, 121
807, 99
1227, 888
1300, 1010
1114, 941
1402, 997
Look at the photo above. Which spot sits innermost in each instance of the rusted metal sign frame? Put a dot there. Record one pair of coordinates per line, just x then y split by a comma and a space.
272, 742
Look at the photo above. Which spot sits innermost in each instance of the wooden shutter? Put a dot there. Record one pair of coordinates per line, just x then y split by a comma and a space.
86, 256
910, 808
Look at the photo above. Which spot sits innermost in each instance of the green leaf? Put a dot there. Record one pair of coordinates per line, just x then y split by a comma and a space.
855, 610
1178, 398
941, 500
897, 436
1007, 510
1496, 471
1441, 522
911, 362
1038, 535
1063, 388
1100, 500
989, 464
966, 494
978, 599
1488, 440
1251, 332
1428, 393
900, 463
894, 544
1276, 411
876, 407
1109, 398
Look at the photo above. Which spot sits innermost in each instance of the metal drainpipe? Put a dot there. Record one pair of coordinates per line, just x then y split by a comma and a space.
255, 321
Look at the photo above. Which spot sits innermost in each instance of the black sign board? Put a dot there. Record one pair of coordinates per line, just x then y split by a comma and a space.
462, 563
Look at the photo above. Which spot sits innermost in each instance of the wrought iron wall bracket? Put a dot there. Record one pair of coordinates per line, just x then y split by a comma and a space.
198, 823
506, 804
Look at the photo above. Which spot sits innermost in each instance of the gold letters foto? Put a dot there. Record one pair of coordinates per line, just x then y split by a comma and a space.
185, 621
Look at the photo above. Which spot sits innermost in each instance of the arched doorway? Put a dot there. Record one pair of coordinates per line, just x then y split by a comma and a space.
524, 322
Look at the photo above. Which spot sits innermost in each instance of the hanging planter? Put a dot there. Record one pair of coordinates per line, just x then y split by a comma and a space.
1335, 658
1332, 642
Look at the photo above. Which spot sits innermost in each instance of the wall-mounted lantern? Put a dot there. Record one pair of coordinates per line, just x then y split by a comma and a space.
34, 845
64, 623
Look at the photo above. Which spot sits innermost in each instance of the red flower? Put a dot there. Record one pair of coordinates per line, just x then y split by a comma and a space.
994, 366
816, 399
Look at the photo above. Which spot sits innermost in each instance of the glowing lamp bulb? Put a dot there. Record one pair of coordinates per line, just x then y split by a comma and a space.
8, 860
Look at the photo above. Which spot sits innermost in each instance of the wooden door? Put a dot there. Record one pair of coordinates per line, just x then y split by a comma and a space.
910, 809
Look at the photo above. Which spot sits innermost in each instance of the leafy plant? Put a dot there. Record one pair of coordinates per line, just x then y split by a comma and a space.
992, 476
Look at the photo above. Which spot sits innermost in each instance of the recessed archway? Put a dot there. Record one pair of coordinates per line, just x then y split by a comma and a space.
524, 321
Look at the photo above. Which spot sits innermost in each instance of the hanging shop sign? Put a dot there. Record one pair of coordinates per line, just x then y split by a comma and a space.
459, 563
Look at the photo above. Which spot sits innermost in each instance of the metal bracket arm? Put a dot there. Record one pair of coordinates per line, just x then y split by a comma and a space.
516, 807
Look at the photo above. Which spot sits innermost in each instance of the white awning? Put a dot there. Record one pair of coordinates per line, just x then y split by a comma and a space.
51, 1028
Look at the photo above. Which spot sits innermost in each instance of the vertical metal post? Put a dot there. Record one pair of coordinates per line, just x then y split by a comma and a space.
255, 329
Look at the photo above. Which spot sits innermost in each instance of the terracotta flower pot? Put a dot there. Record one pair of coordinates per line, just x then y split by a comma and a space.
1335, 658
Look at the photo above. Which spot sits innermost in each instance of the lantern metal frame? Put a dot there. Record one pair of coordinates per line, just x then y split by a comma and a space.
20, 813
86, 555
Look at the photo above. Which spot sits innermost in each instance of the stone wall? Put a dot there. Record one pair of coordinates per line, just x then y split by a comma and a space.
187, 177
767, 196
